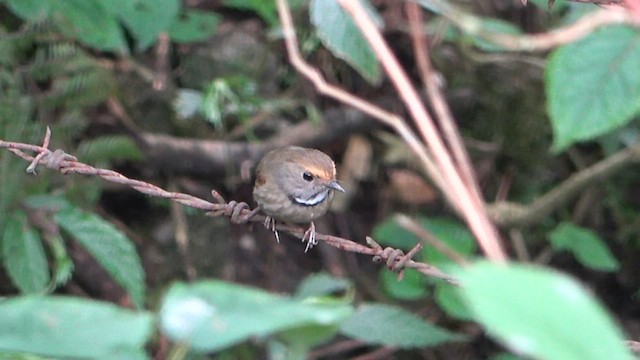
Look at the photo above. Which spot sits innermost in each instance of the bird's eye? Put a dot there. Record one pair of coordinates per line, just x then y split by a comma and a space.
307, 176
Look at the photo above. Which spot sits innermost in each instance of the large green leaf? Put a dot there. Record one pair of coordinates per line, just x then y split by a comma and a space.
144, 18
593, 85
85, 20
89, 22
540, 313
341, 35
213, 315
31, 10
109, 246
24, 256
585, 245
392, 326
72, 328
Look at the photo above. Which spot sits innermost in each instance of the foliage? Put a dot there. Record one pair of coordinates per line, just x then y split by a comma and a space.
108, 245
585, 245
96, 23
71, 327
24, 256
340, 34
57, 67
593, 85
392, 326
534, 311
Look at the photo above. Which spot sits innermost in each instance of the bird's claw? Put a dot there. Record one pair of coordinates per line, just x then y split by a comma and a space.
310, 237
270, 224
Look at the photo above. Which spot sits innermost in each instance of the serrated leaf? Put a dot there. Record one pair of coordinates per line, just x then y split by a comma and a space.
392, 326
72, 328
535, 311
340, 34
593, 85
89, 22
146, 19
109, 148
24, 256
585, 245
109, 246
193, 25
212, 315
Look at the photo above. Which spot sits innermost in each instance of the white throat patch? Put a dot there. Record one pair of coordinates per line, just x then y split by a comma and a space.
315, 200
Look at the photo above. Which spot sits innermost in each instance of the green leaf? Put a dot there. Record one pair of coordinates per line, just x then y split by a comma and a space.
536, 312
109, 246
449, 300
89, 22
340, 34
20, 356
321, 284
24, 256
593, 85
72, 328
193, 25
212, 315
392, 326
585, 245
144, 18
46, 202
450, 232
266, 9
413, 285
453, 234
389, 233
108, 148
305, 337
30, 10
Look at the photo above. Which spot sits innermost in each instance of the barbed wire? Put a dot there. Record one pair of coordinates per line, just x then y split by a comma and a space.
238, 212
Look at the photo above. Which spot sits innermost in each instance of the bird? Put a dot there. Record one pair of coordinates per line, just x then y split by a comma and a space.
295, 185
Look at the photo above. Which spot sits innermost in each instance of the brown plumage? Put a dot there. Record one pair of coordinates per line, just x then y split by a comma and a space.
295, 185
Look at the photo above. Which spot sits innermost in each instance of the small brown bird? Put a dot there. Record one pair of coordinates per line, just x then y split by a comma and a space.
295, 185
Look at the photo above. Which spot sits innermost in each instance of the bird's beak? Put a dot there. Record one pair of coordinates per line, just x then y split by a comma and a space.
335, 186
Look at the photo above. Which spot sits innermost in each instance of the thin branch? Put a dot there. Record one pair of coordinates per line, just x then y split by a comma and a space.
437, 98
473, 25
510, 214
387, 118
471, 206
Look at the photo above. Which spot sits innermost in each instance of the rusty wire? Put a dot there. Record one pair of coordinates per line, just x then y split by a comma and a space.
395, 259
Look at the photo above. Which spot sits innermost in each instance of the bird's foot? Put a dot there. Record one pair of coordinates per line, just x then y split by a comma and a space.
310, 237
270, 224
